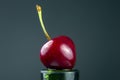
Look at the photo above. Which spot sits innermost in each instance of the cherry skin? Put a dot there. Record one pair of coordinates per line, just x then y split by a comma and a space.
58, 53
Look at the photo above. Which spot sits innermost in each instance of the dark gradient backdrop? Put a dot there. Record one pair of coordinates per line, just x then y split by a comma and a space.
92, 24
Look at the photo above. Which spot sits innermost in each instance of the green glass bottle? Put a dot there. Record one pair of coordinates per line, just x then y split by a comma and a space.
59, 74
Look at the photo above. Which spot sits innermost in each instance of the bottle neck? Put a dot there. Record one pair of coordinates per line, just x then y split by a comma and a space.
59, 74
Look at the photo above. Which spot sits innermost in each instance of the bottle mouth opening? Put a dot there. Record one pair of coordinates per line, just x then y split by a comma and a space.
58, 71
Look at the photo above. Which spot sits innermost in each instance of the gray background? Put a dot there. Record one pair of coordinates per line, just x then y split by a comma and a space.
94, 26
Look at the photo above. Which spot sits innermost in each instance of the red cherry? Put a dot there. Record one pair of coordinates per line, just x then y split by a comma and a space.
58, 53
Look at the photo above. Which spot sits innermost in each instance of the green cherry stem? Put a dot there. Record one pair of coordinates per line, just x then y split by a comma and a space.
39, 10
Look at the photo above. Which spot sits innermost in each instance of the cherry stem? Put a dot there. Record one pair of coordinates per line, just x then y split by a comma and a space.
41, 21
